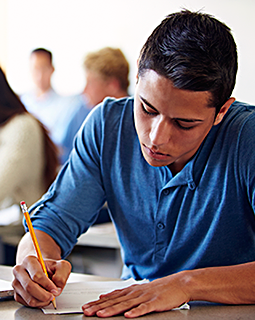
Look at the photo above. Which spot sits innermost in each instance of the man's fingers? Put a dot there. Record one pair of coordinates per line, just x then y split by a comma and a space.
119, 294
38, 298
123, 292
29, 301
32, 287
107, 309
138, 300
60, 271
35, 281
140, 310
115, 302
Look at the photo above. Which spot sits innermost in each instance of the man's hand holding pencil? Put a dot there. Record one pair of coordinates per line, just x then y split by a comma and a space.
37, 281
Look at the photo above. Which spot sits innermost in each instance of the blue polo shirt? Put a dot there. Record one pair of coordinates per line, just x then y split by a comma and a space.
201, 217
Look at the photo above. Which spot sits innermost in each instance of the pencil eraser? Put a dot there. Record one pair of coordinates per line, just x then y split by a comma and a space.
22, 202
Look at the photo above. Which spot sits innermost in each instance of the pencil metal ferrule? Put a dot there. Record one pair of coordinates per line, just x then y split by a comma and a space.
23, 206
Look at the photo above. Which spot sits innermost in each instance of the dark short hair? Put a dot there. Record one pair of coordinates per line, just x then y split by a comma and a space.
45, 51
196, 52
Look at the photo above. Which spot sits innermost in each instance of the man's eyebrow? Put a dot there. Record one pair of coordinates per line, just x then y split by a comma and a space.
179, 119
148, 104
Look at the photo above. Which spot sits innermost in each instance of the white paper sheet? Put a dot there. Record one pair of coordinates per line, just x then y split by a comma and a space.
76, 294
6, 289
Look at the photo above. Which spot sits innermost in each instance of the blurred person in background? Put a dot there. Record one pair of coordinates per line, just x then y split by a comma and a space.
28, 157
106, 75
52, 109
106, 72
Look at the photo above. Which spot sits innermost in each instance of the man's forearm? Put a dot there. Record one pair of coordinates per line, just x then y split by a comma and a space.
49, 248
230, 285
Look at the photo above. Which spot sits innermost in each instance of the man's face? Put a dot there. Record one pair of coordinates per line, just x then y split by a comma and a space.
96, 88
41, 70
171, 123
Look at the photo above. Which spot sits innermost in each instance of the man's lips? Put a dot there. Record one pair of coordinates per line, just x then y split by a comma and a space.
155, 154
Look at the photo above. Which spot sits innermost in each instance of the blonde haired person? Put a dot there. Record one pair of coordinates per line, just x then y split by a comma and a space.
107, 75
106, 72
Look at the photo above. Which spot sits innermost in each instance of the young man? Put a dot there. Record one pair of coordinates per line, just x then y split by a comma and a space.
175, 167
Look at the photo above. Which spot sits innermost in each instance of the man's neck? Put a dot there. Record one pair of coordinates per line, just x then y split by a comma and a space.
40, 92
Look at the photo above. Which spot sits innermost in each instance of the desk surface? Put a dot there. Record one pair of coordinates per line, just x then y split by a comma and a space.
101, 235
11, 310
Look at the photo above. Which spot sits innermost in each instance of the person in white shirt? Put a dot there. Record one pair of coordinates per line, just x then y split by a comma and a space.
52, 109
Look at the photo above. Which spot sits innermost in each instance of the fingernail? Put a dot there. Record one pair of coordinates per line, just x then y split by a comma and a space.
56, 291
101, 312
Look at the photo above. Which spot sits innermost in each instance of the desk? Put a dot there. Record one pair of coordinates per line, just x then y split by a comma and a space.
100, 235
98, 252
11, 310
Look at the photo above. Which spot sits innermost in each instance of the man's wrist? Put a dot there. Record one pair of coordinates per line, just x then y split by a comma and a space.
192, 284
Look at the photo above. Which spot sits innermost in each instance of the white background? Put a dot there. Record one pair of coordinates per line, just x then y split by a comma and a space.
71, 28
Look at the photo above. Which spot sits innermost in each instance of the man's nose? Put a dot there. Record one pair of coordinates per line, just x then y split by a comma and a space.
160, 131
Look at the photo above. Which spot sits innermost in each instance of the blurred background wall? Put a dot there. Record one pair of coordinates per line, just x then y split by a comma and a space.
70, 29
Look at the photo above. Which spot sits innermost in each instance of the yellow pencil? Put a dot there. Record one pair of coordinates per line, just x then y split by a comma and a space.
36, 245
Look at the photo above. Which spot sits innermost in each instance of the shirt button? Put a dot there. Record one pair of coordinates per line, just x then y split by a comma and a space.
161, 226
166, 192
192, 185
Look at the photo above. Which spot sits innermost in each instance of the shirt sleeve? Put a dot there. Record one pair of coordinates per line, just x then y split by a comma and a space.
73, 201
246, 159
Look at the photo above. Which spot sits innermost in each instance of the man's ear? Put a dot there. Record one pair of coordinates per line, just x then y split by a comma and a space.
137, 63
52, 69
223, 110
136, 78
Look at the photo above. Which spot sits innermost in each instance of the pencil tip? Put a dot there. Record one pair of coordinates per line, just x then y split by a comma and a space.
54, 304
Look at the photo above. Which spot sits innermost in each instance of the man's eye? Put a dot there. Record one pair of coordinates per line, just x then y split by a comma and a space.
182, 127
146, 111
